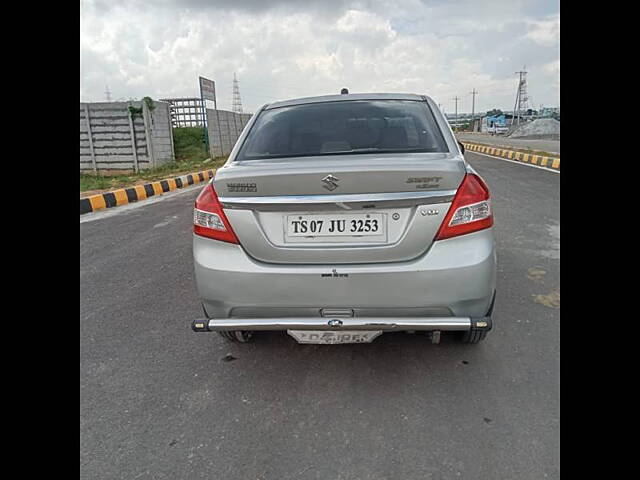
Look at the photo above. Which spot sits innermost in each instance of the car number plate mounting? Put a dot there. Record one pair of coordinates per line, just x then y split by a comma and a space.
324, 337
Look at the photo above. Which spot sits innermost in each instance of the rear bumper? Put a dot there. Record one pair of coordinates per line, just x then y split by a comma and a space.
455, 278
337, 324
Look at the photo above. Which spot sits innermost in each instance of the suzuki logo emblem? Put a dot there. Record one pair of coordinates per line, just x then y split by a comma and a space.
330, 182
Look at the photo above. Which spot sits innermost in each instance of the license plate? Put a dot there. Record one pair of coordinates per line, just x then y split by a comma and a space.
355, 224
344, 336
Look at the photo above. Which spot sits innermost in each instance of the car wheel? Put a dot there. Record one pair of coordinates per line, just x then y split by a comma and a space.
239, 336
473, 336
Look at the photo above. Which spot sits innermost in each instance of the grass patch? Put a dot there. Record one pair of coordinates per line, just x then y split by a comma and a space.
191, 156
189, 143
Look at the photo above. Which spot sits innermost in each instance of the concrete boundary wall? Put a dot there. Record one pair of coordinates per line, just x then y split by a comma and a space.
110, 140
224, 128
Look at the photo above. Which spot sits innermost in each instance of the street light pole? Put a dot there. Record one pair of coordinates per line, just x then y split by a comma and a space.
473, 108
473, 103
455, 126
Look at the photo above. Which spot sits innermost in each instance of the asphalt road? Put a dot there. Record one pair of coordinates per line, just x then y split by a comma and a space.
551, 146
159, 401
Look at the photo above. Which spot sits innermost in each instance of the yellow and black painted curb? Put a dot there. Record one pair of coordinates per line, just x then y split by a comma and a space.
136, 193
540, 160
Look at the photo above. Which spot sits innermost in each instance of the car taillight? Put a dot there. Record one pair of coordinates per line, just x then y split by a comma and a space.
208, 218
470, 210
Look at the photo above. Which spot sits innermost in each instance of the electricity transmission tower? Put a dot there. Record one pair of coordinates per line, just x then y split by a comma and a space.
522, 99
107, 94
236, 105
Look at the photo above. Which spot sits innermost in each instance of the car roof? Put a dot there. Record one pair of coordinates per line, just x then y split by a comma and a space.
345, 98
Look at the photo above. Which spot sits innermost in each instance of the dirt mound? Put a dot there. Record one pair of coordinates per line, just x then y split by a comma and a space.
543, 128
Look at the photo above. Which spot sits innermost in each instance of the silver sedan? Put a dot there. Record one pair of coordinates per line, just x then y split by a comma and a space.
338, 218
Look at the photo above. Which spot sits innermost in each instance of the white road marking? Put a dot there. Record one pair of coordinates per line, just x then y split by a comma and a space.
110, 212
515, 161
165, 222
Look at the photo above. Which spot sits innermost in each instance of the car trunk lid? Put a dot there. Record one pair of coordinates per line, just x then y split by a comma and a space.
405, 196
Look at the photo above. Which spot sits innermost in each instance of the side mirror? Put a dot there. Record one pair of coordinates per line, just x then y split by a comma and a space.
461, 146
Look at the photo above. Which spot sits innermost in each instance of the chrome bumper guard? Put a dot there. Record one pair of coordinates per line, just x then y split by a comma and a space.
354, 323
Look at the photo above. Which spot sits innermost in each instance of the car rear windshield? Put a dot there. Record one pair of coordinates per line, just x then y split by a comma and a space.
345, 127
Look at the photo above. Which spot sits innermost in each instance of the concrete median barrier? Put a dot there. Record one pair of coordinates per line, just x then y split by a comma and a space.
539, 160
123, 196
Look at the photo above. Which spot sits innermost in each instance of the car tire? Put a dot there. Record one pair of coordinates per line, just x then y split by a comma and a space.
473, 336
238, 336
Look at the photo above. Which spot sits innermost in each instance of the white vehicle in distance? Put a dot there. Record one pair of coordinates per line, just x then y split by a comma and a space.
498, 130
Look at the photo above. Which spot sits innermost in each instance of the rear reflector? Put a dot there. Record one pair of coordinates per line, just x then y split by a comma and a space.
470, 210
208, 218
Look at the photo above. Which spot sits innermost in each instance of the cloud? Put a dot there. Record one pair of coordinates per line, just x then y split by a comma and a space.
553, 68
284, 50
546, 32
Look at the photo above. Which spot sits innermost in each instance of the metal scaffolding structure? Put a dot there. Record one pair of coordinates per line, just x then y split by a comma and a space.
186, 112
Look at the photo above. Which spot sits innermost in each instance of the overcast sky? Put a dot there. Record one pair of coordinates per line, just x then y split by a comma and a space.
285, 49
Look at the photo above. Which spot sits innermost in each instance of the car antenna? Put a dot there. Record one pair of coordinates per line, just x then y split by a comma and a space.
344, 91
